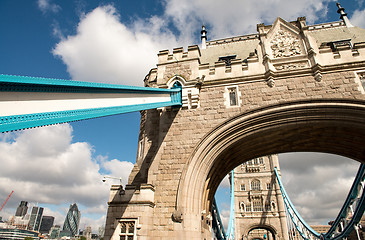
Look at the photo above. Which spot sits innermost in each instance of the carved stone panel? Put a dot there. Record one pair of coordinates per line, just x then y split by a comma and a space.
291, 66
285, 44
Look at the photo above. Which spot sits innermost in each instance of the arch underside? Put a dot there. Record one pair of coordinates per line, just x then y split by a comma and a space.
334, 126
269, 228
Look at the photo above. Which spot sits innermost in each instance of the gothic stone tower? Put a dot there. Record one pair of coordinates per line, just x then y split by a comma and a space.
288, 88
259, 206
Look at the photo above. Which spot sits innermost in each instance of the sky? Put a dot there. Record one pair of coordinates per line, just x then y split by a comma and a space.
117, 42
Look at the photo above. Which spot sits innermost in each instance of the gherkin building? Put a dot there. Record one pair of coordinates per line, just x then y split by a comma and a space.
72, 220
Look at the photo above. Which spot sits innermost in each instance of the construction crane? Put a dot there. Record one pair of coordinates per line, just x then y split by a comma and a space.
6, 201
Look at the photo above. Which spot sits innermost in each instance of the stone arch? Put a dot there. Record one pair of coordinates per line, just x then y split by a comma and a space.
334, 126
256, 226
176, 78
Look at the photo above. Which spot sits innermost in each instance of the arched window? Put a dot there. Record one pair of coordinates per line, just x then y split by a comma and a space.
255, 185
242, 207
273, 205
176, 84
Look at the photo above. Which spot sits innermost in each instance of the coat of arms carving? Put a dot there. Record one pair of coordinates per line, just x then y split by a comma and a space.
285, 44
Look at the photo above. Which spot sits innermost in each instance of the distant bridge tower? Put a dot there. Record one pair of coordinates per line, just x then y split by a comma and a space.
259, 205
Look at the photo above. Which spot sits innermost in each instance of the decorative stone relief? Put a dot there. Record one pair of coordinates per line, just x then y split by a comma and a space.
291, 66
190, 98
285, 44
361, 76
271, 82
177, 216
318, 76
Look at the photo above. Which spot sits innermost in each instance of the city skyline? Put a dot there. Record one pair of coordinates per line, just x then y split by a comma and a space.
36, 221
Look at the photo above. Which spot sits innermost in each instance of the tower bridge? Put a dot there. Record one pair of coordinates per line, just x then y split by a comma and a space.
289, 87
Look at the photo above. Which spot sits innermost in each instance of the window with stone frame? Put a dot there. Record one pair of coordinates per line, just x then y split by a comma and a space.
233, 99
232, 96
257, 205
268, 186
128, 229
140, 148
255, 185
243, 187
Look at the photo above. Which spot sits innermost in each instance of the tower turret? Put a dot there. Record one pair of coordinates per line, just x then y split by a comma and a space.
343, 16
204, 37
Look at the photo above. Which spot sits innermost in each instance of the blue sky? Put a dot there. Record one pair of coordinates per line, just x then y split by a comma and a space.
117, 42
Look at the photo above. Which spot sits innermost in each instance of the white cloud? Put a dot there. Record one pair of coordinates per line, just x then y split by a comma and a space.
239, 17
44, 166
224, 214
360, 2
317, 183
118, 169
106, 50
358, 18
47, 6
225, 182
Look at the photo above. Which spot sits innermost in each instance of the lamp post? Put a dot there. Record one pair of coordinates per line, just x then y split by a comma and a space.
121, 189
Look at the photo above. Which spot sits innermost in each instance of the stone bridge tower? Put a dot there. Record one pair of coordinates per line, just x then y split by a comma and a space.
259, 205
289, 87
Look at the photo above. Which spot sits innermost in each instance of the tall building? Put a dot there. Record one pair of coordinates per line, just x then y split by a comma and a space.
72, 220
22, 209
259, 206
46, 224
35, 218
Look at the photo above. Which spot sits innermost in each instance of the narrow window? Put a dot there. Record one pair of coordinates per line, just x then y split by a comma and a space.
273, 205
261, 160
232, 96
268, 186
243, 187
140, 148
242, 206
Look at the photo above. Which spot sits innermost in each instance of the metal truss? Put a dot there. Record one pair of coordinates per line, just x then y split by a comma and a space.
27, 102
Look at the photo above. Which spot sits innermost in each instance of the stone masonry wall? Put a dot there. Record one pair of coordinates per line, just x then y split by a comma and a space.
180, 133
